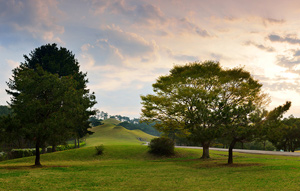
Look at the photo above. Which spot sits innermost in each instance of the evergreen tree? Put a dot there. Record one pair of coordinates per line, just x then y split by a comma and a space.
50, 98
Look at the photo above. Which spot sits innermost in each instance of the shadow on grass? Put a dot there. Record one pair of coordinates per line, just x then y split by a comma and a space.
207, 163
25, 167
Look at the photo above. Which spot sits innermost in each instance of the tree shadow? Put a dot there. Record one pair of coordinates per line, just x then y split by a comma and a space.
31, 167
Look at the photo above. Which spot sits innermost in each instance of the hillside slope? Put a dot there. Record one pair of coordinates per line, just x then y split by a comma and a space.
111, 133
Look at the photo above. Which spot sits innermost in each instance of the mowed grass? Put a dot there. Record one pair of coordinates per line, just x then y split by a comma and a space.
130, 167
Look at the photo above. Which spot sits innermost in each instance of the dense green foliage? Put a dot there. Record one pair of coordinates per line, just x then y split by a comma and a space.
4, 110
204, 101
19, 153
66, 146
49, 97
285, 135
161, 146
95, 122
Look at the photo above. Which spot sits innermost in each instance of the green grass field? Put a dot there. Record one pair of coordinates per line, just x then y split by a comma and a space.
112, 134
126, 165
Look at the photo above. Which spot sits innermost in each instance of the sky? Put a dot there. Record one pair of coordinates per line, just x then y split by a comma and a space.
125, 45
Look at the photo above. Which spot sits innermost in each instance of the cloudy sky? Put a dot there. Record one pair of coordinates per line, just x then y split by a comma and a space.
125, 45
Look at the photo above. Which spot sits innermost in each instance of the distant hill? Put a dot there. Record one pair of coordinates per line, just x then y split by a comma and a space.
112, 121
111, 133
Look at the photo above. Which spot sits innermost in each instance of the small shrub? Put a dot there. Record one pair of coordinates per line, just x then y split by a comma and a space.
64, 147
82, 144
19, 153
162, 146
3, 156
99, 149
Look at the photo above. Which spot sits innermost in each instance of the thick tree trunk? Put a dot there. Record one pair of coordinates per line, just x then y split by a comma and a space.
230, 156
37, 154
205, 154
78, 142
75, 144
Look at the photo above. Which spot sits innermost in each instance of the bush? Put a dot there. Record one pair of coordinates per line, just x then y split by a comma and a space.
64, 147
3, 156
162, 146
19, 153
81, 144
99, 149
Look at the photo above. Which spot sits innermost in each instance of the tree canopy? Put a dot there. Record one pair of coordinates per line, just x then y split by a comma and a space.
203, 101
49, 97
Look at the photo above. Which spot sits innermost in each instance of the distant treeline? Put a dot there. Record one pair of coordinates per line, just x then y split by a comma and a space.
147, 128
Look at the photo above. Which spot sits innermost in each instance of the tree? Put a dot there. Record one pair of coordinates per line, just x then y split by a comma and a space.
62, 62
95, 122
242, 103
201, 100
49, 97
4, 110
58, 61
283, 134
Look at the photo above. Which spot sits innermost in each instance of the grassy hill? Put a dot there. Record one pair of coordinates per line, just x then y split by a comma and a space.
111, 133
126, 165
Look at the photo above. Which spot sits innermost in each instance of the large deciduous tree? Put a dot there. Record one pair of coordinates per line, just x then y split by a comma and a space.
49, 97
203, 101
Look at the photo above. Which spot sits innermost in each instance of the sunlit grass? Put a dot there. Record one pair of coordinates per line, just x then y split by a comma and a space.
111, 134
131, 167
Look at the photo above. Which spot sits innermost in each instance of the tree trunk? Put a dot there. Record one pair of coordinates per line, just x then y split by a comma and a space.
292, 146
53, 148
205, 154
37, 154
78, 142
75, 145
230, 156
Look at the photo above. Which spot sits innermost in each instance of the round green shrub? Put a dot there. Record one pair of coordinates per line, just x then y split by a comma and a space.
162, 146
99, 149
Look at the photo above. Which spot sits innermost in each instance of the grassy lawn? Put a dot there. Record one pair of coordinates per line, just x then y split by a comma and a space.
126, 165
130, 167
